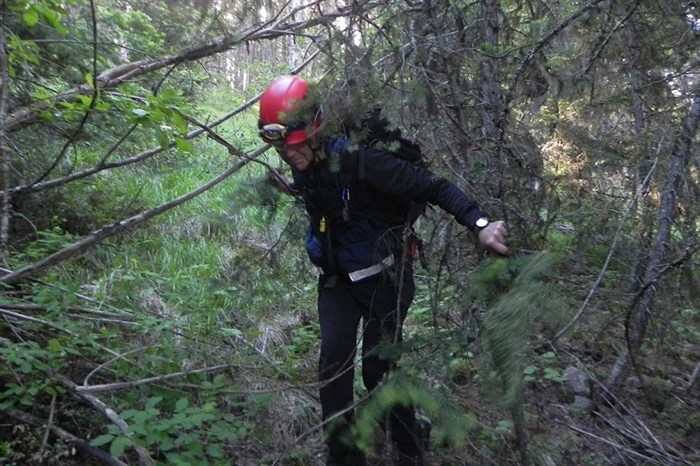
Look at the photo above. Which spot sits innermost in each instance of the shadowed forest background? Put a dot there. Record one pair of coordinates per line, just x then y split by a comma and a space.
157, 306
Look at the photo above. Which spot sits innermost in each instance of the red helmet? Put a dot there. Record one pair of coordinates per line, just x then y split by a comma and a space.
279, 107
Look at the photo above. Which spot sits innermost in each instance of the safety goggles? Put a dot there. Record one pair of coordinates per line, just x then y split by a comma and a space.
274, 134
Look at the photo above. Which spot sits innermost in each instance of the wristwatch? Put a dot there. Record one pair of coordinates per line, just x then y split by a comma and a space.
481, 223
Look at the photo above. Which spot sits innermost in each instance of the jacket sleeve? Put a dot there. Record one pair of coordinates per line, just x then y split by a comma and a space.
406, 181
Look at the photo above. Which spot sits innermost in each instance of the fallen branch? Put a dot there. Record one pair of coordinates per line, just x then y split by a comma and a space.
80, 296
66, 436
614, 444
135, 383
693, 378
144, 458
76, 310
36, 320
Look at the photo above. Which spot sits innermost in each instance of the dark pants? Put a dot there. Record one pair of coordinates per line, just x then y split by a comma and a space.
341, 308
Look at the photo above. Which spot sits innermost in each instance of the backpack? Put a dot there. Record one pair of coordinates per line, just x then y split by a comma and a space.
376, 131
343, 167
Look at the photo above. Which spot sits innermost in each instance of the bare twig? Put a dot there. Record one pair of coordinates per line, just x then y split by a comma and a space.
693, 378
144, 458
106, 363
614, 444
103, 165
75, 310
80, 296
611, 251
237, 152
49, 424
135, 383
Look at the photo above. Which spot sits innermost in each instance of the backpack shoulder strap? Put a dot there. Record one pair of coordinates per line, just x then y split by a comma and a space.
345, 160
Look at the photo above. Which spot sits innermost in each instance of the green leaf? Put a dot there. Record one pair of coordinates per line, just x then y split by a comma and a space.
54, 346
30, 17
128, 414
152, 402
86, 100
181, 404
162, 138
118, 446
101, 440
214, 450
52, 16
179, 122
184, 144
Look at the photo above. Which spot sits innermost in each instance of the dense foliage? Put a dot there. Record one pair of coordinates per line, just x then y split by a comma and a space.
157, 307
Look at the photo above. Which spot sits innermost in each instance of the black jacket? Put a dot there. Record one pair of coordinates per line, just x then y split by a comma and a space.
358, 205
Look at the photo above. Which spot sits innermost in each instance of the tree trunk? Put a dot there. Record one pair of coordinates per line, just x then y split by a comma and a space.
490, 93
4, 149
643, 307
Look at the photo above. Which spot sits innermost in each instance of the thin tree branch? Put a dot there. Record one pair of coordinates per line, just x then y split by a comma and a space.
80, 296
613, 246
540, 45
135, 383
79, 247
116, 76
610, 34
143, 155
36, 320
642, 310
49, 424
93, 98
76, 310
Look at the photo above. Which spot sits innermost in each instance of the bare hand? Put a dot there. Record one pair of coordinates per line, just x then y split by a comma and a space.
493, 236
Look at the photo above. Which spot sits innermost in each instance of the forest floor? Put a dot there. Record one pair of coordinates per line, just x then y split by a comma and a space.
654, 422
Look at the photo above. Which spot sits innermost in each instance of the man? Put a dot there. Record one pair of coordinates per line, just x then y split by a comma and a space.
357, 204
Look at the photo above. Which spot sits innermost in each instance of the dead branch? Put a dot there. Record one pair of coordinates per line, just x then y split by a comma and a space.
613, 247
103, 165
19, 316
67, 437
80, 296
75, 310
95, 237
693, 378
144, 458
614, 444
118, 75
135, 383
642, 311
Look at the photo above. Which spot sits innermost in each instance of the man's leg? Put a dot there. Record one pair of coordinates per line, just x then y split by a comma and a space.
339, 317
385, 324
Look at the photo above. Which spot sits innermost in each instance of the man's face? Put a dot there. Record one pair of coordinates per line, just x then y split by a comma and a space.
297, 156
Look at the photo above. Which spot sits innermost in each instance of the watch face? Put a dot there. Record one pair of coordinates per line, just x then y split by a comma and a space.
482, 222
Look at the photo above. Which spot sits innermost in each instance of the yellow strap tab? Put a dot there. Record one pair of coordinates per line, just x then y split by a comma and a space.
322, 225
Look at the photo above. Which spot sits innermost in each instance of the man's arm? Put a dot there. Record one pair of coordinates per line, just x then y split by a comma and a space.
404, 180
